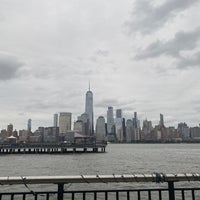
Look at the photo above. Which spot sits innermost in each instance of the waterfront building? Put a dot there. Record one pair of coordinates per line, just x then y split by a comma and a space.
124, 129
100, 129
24, 136
9, 130
110, 120
195, 133
173, 135
130, 135
85, 123
147, 128
161, 122
50, 134
111, 132
55, 120
65, 120
3, 135
35, 137
135, 120
184, 131
29, 125
89, 110
136, 124
119, 113
78, 126
15, 133
40, 131
118, 125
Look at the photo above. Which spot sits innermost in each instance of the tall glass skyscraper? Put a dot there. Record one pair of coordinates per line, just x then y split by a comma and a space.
110, 120
89, 110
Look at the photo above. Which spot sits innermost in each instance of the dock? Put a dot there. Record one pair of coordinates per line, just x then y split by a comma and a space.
52, 148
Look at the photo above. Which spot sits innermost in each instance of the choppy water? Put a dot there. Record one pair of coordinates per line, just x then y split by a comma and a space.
119, 159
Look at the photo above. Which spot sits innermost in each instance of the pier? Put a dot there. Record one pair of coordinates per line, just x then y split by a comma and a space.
52, 148
165, 187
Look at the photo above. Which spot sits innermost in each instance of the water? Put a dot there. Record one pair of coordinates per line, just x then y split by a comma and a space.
118, 159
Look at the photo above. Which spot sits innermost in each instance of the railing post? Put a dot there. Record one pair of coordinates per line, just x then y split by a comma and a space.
171, 190
60, 191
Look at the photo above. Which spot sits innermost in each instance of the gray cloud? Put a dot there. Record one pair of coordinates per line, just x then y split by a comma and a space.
9, 67
106, 102
190, 62
181, 41
147, 17
103, 53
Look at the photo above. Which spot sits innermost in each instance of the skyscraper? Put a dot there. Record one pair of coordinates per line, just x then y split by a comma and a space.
89, 110
118, 125
100, 128
161, 120
29, 125
119, 113
55, 120
65, 121
110, 120
9, 130
85, 119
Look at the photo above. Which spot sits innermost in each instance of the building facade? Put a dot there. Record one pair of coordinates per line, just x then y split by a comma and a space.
89, 110
65, 120
118, 125
100, 129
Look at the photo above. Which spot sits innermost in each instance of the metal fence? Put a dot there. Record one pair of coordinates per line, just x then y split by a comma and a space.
165, 191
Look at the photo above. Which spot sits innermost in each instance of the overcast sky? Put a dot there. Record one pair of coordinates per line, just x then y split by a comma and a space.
139, 55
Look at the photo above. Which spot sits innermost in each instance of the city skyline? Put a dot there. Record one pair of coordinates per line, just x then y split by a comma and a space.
139, 56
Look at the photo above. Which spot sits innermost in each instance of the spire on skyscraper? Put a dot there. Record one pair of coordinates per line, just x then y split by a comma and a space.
89, 109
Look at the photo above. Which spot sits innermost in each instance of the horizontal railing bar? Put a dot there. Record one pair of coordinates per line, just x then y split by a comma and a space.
154, 177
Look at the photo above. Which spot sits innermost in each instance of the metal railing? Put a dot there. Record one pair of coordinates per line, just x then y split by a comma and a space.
168, 191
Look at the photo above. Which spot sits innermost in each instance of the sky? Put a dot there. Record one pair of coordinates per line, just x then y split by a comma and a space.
139, 55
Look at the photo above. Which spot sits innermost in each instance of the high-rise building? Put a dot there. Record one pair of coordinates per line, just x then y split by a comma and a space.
29, 125
55, 120
184, 131
78, 126
119, 113
65, 121
130, 137
118, 125
110, 120
85, 119
147, 127
135, 123
9, 130
161, 123
89, 110
100, 128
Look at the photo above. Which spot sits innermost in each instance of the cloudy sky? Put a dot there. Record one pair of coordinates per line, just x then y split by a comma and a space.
139, 55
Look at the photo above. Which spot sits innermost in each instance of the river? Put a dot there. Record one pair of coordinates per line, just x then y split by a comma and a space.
118, 159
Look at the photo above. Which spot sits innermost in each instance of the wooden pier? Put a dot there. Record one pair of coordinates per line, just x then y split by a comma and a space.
60, 148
